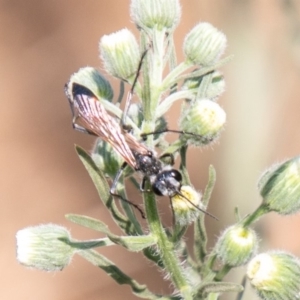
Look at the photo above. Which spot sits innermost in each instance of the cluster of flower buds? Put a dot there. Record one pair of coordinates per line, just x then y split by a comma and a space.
202, 118
195, 81
198, 84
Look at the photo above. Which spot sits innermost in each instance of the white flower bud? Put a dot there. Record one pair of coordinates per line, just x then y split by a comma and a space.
155, 14
185, 205
42, 247
120, 54
275, 276
205, 119
92, 80
280, 187
204, 45
237, 245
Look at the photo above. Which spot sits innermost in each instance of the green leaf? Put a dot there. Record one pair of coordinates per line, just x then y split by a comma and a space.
210, 185
102, 187
87, 222
204, 86
119, 276
165, 105
84, 245
206, 70
218, 287
132, 243
200, 235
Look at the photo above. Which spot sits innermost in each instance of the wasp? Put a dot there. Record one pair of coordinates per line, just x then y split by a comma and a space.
90, 116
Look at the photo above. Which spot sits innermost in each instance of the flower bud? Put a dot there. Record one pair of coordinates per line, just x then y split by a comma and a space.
155, 14
106, 159
275, 276
120, 54
91, 79
214, 90
237, 245
185, 205
42, 247
280, 187
202, 121
204, 45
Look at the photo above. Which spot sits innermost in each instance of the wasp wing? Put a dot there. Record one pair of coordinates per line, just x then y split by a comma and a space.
90, 116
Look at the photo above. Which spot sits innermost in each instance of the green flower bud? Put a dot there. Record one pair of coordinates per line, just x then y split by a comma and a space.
237, 245
214, 90
280, 187
204, 45
135, 113
185, 205
107, 159
204, 119
275, 276
42, 248
91, 79
155, 14
120, 54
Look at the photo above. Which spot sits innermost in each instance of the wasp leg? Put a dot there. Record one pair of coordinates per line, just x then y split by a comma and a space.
142, 186
170, 156
173, 212
83, 130
114, 194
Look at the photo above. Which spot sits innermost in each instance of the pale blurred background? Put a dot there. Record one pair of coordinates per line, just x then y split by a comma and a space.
44, 42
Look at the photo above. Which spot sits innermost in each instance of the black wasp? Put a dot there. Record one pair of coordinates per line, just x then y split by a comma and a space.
90, 116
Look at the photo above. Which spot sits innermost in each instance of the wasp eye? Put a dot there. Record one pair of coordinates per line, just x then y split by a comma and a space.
176, 174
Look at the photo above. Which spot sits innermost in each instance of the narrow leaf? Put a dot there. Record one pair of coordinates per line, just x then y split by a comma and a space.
119, 276
132, 243
90, 244
219, 287
200, 235
87, 222
102, 187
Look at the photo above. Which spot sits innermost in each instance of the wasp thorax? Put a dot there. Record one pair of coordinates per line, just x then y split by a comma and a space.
147, 163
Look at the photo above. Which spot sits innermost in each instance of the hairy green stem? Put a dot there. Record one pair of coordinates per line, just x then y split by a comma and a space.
260, 211
166, 249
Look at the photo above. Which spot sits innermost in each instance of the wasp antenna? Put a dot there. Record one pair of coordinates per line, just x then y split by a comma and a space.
143, 135
130, 94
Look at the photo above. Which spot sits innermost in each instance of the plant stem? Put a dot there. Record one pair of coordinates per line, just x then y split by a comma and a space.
165, 248
220, 275
260, 211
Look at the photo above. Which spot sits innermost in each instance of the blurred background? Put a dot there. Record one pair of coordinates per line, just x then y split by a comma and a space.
44, 42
